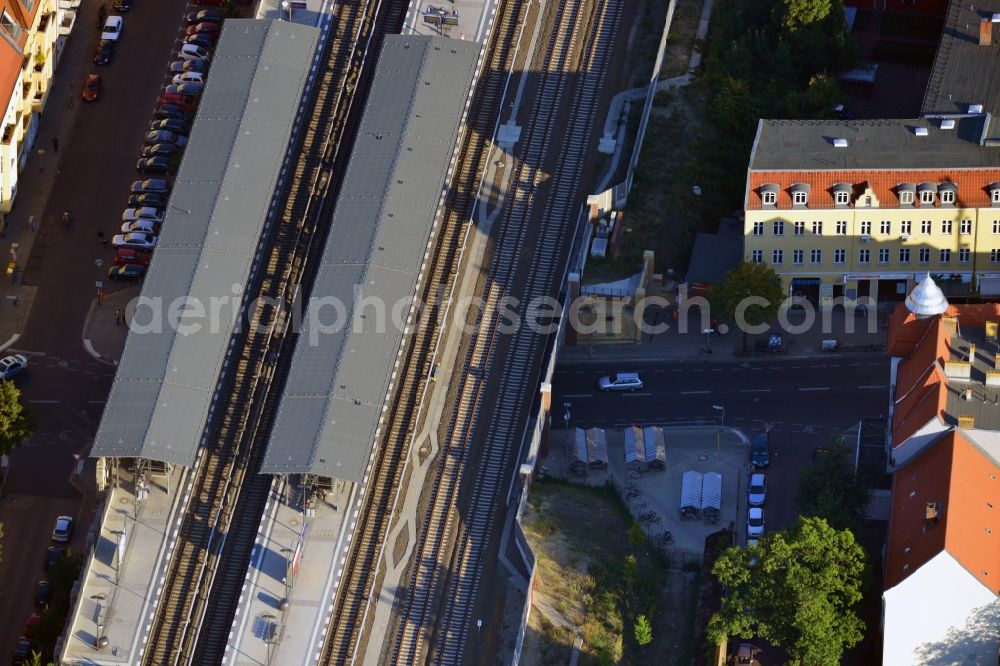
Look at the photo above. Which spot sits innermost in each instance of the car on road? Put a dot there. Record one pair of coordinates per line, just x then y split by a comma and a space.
53, 555
127, 272
63, 529
43, 593
214, 15
159, 164
760, 455
143, 241
91, 87
204, 39
190, 65
112, 29
22, 651
105, 52
172, 111
156, 185
205, 27
191, 51
161, 150
755, 523
620, 381
13, 365
169, 124
145, 213
148, 200
188, 77
122, 5
129, 255
165, 136
144, 226
758, 489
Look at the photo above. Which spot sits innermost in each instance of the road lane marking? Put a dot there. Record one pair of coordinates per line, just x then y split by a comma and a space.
694, 392
633, 395
44, 402
816, 388
95, 402
873, 386
676, 371
578, 395
755, 390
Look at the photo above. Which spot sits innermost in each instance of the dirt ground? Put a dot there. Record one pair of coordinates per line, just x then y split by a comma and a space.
580, 537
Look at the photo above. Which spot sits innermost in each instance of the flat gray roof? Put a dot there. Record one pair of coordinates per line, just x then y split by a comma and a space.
222, 195
964, 72
716, 254
338, 384
808, 145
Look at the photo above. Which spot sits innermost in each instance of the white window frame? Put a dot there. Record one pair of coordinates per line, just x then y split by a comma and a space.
946, 226
839, 256
800, 198
777, 257
864, 256
904, 255
995, 256
778, 228
799, 228
964, 255
924, 255
758, 228
995, 195
866, 227
906, 197
757, 256
965, 227
926, 197
815, 256
885, 227
842, 197
944, 256
841, 227
798, 257
925, 227
948, 196
883, 256
769, 198
817, 228
906, 227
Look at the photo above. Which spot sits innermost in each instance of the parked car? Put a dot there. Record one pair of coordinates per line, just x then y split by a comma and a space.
43, 593
63, 529
144, 226
161, 150
204, 39
155, 185
140, 240
206, 27
22, 651
123, 5
112, 30
31, 623
13, 365
129, 255
758, 489
165, 136
53, 555
189, 51
144, 213
170, 125
147, 200
215, 15
127, 272
189, 89
189, 65
186, 103
91, 87
760, 455
159, 164
105, 52
172, 111
620, 381
188, 77
755, 523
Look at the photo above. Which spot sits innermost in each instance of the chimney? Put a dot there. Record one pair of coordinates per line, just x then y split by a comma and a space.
985, 31
931, 512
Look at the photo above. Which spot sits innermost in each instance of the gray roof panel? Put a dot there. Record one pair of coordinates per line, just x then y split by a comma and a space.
159, 402
338, 382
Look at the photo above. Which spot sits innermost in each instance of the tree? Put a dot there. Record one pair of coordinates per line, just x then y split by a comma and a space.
796, 14
830, 489
16, 422
730, 299
643, 630
798, 588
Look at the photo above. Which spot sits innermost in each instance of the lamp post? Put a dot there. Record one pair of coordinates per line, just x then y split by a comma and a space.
100, 640
287, 6
288, 553
721, 408
268, 634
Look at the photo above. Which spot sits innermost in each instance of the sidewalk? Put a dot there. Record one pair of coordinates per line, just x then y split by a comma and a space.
103, 337
25, 225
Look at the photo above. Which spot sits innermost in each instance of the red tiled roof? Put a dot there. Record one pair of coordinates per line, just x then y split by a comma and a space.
972, 185
11, 57
921, 386
965, 485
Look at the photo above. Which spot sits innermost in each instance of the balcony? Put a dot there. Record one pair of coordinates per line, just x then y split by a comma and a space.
43, 23
38, 101
40, 59
68, 19
8, 134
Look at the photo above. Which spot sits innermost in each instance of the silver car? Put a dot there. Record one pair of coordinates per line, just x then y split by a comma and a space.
13, 365
620, 381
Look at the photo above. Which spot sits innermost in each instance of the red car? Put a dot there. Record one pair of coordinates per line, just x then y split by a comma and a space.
185, 102
205, 28
31, 623
91, 87
128, 255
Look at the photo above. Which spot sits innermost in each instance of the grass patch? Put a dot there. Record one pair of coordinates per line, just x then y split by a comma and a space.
597, 573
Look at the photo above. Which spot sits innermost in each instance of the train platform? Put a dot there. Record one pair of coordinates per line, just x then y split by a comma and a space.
458, 19
296, 563
122, 578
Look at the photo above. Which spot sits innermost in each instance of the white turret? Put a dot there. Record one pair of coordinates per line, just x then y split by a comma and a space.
927, 299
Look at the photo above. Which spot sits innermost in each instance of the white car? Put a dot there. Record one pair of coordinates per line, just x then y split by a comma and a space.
188, 77
758, 489
139, 240
140, 225
12, 365
755, 523
144, 213
192, 52
620, 381
112, 30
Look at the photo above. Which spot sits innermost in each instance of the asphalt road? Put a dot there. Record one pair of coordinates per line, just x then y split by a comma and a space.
64, 386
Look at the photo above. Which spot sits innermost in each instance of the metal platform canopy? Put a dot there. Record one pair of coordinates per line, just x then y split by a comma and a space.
160, 398
378, 240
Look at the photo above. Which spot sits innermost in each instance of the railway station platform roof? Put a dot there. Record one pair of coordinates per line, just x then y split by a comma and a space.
222, 198
345, 360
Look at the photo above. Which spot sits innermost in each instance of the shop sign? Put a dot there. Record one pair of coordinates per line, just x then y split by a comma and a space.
947, 278
875, 276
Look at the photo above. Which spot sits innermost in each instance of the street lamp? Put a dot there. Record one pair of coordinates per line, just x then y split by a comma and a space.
287, 6
268, 633
100, 640
721, 408
288, 553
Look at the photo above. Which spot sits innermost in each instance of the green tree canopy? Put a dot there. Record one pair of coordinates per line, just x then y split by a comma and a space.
798, 588
16, 422
830, 489
643, 630
730, 298
796, 14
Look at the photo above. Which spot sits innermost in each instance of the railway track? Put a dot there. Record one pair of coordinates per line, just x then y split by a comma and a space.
211, 554
362, 569
452, 545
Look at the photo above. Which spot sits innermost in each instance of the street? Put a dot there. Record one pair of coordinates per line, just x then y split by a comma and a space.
64, 386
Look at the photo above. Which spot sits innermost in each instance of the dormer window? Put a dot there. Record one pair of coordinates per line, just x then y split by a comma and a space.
841, 194
769, 194
947, 197
906, 192
995, 193
947, 193
926, 197
800, 194
927, 192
